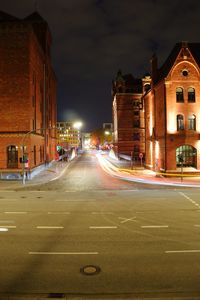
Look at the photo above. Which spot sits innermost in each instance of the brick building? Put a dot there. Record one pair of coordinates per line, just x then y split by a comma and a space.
27, 93
172, 112
128, 115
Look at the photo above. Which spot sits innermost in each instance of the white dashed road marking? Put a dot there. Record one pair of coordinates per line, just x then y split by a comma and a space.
63, 253
49, 227
103, 227
15, 212
183, 251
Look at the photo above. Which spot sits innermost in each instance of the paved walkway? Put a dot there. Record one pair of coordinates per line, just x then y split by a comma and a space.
137, 172
48, 174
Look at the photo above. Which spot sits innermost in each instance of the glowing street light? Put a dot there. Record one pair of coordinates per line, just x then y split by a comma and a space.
77, 125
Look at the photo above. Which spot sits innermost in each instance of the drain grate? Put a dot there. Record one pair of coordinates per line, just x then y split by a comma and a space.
90, 270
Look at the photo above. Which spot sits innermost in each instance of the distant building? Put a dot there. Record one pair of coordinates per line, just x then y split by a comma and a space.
128, 115
27, 93
172, 111
86, 140
68, 137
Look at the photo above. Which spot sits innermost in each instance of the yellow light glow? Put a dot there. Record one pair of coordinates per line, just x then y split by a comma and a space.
171, 122
157, 149
151, 152
77, 125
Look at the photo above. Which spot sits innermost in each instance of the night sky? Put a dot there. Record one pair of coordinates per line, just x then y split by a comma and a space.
92, 39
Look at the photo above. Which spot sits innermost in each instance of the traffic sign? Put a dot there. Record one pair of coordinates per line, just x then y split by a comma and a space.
141, 155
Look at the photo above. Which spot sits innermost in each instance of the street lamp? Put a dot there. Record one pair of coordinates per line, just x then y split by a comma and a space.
77, 125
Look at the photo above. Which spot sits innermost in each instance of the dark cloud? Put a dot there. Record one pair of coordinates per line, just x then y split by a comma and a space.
92, 39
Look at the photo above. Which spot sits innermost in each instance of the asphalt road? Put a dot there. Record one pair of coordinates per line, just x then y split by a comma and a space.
144, 240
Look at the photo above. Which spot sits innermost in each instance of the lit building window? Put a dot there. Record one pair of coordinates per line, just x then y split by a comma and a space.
191, 95
192, 122
179, 95
180, 122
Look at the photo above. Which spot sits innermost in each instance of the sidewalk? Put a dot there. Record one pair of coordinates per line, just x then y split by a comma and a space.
139, 174
50, 173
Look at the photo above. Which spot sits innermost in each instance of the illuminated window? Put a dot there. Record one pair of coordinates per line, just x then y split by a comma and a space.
191, 95
192, 122
179, 95
180, 122
186, 156
12, 156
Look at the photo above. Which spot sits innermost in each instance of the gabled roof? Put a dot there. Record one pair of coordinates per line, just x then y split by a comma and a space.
164, 70
35, 17
4, 17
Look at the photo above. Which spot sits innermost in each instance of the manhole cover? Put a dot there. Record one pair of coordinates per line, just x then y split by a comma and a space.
90, 270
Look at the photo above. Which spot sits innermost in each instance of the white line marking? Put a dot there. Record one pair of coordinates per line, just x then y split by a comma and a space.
49, 227
63, 253
58, 213
124, 220
15, 212
103, 227
3, 229
155, 226
183, 251
9, 226
188, 198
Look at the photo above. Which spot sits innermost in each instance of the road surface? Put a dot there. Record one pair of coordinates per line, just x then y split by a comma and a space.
88, 233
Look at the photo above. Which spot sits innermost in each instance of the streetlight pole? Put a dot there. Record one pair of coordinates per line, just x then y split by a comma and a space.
23, 149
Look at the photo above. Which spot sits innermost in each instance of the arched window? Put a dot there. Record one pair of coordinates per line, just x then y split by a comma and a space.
12, 156
191, 94
192, 122
186, 156
180, 122
179, 95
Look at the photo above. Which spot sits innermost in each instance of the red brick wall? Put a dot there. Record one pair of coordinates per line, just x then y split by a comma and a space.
22, 92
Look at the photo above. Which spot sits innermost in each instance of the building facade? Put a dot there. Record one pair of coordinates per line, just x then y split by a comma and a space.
27, 93
172, 112
128, 115
68, 136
